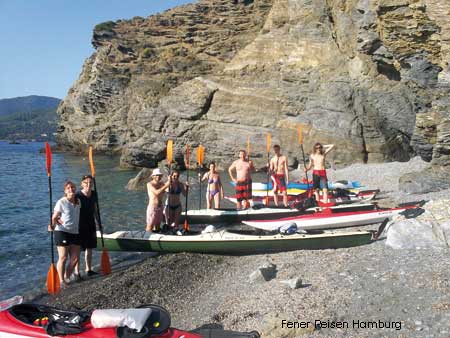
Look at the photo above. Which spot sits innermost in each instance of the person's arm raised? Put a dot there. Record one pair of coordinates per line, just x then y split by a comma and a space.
329, 147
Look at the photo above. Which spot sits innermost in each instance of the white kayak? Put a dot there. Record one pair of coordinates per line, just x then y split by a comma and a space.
330, 218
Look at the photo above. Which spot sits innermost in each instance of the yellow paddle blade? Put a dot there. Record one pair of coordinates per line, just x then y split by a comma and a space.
248, 146
300, 135
268, 141
169, 151
53, 286
91, 162
105, 264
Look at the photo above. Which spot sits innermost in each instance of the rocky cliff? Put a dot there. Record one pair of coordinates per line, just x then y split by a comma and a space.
371, 76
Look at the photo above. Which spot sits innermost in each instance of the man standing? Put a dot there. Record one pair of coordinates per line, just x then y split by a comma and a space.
278, 166
88, 220
243, 179
155, 208
317, 162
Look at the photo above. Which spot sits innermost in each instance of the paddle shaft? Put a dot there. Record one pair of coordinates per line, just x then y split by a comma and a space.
200, 187
268, 178
98, 212
51, 213
304, 164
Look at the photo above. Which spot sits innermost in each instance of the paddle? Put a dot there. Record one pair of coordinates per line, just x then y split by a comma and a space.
188, 158
300, 141
169, 157
105, 264
200, 158
53, 286
268, 141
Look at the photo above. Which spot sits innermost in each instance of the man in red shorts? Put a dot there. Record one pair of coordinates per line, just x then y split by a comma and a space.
243, 179
278, 166
317, 162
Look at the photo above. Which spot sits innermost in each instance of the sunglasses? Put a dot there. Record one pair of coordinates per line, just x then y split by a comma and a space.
319, 147
86, 176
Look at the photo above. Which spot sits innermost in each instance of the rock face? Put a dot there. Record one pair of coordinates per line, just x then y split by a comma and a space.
371, 76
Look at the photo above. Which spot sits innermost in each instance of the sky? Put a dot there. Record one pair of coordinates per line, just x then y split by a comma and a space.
43, 43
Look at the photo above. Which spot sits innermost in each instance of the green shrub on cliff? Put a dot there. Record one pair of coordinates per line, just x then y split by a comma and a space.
105, 26
147, 52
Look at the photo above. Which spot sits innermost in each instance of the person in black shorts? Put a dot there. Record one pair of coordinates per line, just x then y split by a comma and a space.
64, 223
88, 220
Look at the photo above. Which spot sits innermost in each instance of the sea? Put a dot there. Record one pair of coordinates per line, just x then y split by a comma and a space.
25, 246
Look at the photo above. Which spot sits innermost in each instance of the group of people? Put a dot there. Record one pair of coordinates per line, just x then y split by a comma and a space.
240, 173
73, 224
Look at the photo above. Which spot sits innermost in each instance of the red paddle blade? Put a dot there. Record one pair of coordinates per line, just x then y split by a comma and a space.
48, 155
268, 141
188, 155
105, 265
53, 286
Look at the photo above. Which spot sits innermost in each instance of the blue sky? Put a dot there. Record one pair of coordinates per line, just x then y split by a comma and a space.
45, 42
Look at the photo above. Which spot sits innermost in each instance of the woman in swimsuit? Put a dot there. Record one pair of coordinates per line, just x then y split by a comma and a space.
215, 188
173, 205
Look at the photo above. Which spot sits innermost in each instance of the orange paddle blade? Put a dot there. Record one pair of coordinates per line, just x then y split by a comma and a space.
300, 135
53, 286
200, 155
91, 162
48, 156
169, 151
188, 155
186, 225
105, 264
268, 141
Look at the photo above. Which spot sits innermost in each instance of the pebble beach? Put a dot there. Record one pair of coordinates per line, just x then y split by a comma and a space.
366, 291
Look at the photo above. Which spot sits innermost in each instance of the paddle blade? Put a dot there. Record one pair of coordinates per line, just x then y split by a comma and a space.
300, 135
186, 225
169, 151
200, 155
48, 158
53, 286
188, 155
268, 142
105, 264
91, 162
248, 146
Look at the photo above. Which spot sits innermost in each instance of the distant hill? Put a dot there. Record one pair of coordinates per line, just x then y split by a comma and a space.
28, 117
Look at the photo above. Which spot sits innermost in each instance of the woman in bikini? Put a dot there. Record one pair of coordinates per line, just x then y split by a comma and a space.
173, 205
214, 190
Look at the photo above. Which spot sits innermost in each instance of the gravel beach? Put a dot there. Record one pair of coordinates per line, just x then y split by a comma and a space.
366, 291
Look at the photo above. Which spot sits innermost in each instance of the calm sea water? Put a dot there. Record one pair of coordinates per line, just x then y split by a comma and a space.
25, 254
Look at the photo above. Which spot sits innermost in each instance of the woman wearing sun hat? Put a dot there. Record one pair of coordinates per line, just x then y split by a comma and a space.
156, 190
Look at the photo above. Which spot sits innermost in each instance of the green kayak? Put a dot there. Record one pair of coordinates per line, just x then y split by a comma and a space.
232, 242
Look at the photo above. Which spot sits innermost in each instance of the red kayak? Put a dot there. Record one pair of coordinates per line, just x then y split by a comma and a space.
34, 320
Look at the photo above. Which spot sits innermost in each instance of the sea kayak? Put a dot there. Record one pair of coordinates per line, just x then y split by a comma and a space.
344, 197
290, 191
229, 216
232, 242
331, 218
305, 186
34, 320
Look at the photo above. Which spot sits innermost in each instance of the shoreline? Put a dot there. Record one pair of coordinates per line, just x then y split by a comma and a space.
369, 283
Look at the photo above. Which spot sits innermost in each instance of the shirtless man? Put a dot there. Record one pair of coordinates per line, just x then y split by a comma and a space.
317, 162
155, 208
243, 179
278, 167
